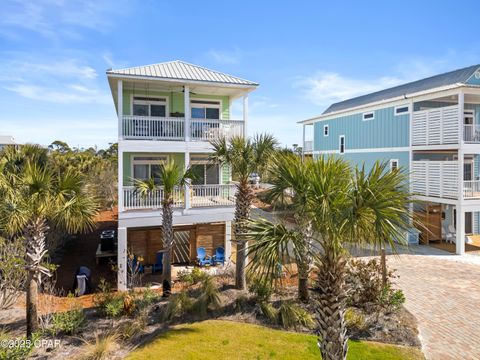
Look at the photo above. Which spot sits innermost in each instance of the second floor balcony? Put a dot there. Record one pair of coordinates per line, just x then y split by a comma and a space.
136, 127
192, 196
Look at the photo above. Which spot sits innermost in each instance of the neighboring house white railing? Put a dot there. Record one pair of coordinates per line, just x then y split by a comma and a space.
435, 178
173, 128
471, 189
435, 126
134, 199
212, 195
308, 146
199, 195
471, 133
153, 128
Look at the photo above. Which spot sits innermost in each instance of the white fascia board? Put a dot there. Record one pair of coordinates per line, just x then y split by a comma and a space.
374, 105
181, 81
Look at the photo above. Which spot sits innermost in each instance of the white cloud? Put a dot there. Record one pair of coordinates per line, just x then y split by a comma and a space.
58, 81
325, 88
232, 56
57, 18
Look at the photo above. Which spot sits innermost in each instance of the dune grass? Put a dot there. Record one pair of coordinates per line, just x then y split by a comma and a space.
231, 340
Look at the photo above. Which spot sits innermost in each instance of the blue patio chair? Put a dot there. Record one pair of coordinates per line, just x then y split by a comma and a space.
219, 257
158, 266
202, 257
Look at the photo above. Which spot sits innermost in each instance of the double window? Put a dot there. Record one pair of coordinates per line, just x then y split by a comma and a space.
149, 106
205, 109
147, 167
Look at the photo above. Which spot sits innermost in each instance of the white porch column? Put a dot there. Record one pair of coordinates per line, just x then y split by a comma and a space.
122, 259
461, 112
120, 108
187, 186
187, 112
460, 238
120, 180
245, 115
303, 142
228, 239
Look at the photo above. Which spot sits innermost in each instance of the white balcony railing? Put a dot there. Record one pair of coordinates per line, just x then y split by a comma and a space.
173, 128
133, 199
206, 130
471, 189
435, 178
308, 146
199, 195
212, 195
436, 126
153, 128
471, 133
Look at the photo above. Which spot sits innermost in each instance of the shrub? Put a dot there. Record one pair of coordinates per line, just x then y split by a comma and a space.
241, 303
198, 275
291, 315
109, 303
185, 276
147, 298
364, 280
391, 298
68, 322
209, 298
131, 328
354, 319
101, 347
178, 305
16, 352
114, 307
269, 311
12, 271
261, 288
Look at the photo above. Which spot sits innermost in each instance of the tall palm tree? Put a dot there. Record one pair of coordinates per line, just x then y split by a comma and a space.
32, 197
170, 176
272, 241
244, 156
343, 208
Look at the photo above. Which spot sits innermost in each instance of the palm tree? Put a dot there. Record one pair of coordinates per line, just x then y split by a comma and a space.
32, 197
343, 208
170, 176
271, 241
244, 156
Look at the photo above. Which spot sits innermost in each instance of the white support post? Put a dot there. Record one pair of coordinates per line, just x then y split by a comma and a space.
245, 115
228, 239
187, 185
303, 142
460, 240
122, 259
120, 180
461, 112
187, 112
120, 108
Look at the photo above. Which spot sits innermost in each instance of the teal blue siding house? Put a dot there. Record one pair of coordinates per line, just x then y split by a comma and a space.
431, 129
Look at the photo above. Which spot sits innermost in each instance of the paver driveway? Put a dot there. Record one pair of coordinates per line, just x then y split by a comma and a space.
444, 295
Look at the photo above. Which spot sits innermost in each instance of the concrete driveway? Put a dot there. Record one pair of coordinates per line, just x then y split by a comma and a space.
443, 292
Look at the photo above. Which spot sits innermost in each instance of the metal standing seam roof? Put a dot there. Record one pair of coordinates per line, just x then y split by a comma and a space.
180, 70
449, 78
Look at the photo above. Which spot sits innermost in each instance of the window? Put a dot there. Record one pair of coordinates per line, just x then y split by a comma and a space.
402, 110
146, 167
325, 130
393, 164
205, 171
205, 109
341, 144
146, 106
368, 116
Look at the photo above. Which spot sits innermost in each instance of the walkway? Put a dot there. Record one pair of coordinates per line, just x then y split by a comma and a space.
443, 293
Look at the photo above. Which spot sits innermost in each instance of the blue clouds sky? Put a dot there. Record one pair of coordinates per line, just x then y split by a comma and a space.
305, 55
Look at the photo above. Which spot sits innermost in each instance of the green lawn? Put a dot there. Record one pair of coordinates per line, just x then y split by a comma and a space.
216, 339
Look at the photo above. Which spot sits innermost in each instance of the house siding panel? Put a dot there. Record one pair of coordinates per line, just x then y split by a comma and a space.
369, 159
385, 131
